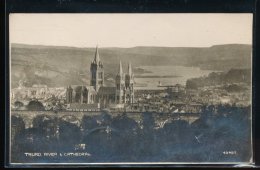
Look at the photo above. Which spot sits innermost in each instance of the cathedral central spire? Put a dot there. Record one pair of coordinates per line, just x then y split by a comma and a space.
120, 71
129, 69
96, 59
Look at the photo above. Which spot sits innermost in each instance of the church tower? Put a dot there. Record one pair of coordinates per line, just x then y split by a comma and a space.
69, 94
97, 72
129, 85
120, 86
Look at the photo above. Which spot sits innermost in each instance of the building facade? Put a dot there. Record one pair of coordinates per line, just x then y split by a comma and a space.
97, 92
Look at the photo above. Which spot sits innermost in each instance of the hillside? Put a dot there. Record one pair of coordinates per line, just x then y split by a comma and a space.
229, 77
60, 66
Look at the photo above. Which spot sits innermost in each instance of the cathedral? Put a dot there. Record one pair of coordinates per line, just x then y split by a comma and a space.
97, 95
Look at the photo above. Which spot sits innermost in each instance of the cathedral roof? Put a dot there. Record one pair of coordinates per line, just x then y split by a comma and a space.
91, 89
77, 88
107, 90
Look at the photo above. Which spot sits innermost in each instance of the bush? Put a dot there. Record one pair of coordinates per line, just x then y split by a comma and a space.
35, 105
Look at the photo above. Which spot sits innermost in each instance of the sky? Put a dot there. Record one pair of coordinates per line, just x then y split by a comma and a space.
129, 30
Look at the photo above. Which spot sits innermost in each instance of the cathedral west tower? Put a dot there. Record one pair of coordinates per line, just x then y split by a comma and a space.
97, 72
120, 86
129, 85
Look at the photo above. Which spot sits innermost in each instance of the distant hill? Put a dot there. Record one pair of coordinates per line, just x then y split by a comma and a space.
60, 66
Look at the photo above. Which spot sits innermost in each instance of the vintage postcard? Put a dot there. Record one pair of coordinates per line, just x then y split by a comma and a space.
130, 88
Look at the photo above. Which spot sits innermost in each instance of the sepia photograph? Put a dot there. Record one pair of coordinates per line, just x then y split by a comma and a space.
114, 88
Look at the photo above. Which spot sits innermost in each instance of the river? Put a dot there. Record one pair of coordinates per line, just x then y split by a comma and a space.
167, 75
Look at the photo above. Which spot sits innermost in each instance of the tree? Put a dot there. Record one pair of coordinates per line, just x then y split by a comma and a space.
89, 123
18, 104
35, 105
191, 84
